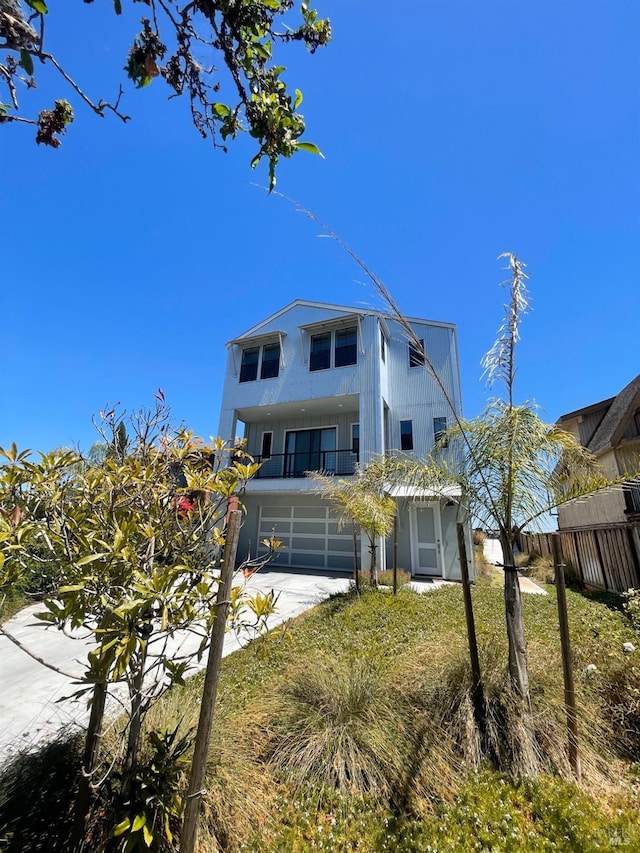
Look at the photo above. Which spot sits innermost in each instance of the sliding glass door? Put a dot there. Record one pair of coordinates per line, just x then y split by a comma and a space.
310, 450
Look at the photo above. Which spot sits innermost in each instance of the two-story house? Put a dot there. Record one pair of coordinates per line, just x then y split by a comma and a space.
325, 387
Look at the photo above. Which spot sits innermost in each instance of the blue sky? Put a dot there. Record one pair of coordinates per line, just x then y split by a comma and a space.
453, 131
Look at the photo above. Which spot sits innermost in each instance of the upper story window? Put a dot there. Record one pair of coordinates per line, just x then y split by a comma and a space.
270, 361
343, 343
320, 356
249, 366
440, 430
406, 435
416, 355
266, 358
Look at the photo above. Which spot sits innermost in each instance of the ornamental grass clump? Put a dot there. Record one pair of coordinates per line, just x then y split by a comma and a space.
340, 727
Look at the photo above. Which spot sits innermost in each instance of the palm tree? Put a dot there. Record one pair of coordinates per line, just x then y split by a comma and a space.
363, 503
512, 468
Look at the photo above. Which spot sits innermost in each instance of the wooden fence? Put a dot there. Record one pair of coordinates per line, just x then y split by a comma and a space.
601, 557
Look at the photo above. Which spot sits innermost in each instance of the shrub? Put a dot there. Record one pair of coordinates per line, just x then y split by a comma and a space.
385, 578
37, 791
479, 537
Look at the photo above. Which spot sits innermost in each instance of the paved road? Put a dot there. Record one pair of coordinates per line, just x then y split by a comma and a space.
32, 703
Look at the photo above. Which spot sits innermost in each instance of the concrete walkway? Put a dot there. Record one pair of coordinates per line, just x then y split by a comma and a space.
493, 554
36, 702
33, 706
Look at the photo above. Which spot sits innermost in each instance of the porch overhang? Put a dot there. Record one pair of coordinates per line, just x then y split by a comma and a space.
449, 493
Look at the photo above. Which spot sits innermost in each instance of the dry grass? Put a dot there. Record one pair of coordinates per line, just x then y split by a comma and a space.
338, 726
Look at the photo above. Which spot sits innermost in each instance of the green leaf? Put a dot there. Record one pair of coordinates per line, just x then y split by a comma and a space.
147, 835
221, 109
298, 99
138, 822
122, 827
38, 5
76, 587
27, 62
91, 558
310, 147
117, 5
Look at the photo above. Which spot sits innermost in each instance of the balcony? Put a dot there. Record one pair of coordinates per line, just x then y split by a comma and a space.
632, 499
341, 463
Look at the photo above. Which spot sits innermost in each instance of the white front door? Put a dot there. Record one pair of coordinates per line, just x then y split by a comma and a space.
426, 539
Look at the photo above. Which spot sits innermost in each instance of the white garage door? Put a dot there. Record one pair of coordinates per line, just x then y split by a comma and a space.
310, 537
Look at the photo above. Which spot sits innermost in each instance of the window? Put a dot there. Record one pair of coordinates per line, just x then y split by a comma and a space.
355, 440
383, 346
416, 355
406, 435
320, 352
345, 348
439, 431
267, 441
310, 450
270, 361
269, 365
249, 366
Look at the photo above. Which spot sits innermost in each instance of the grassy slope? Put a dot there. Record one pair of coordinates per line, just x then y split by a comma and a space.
409, 646
416, 639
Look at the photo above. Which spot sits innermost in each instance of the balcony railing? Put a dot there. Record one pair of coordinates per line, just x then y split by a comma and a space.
287, 465
632, 499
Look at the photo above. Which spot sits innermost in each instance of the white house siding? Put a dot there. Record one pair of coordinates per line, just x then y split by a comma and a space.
375, 394
413, 393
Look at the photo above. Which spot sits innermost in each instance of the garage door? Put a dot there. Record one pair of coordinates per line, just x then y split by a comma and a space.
310, 537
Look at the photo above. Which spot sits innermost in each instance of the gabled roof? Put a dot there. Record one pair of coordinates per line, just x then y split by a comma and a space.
384, 316
618, 411
617, 418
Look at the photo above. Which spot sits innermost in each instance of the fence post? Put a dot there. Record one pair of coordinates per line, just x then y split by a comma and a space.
565, 646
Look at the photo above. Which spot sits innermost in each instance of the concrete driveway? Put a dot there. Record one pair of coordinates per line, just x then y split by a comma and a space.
33, 706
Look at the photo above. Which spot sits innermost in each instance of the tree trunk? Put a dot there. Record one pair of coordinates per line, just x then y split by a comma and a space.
373, 568
135, 726
518, 667
89, 763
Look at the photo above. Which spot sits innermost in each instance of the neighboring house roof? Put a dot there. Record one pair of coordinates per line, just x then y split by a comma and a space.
616, 414
614, 423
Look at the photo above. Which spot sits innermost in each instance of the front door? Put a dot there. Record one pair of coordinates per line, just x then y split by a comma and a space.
426, 539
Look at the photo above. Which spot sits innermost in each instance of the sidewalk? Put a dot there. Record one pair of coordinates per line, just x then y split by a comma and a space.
493, 554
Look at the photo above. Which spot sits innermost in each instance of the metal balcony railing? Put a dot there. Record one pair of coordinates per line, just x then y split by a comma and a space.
632, 499
287, 465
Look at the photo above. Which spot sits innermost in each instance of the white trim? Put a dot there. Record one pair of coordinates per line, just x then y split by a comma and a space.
413, 532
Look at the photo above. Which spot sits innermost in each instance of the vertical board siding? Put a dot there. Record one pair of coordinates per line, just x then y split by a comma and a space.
606, 558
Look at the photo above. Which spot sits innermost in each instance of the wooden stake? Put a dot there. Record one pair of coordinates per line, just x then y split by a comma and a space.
477, 691
395, 554
565, 645
201, 748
